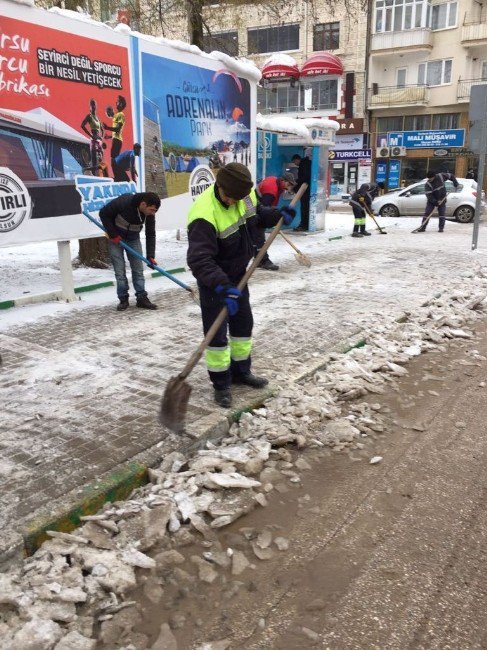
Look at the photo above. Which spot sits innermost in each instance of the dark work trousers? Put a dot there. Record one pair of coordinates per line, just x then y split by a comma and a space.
359, 220
258, 239
441, 213
239, 326
304, 223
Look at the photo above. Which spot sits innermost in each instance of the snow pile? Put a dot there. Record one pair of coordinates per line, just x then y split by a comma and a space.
279, 58
79, 579
281, 124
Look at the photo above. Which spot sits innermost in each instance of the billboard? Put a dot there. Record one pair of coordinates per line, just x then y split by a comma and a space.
194, 122
427, 139
65, 111
88, 113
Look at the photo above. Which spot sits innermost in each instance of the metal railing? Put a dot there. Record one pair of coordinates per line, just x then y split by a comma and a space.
397, 95
465, 86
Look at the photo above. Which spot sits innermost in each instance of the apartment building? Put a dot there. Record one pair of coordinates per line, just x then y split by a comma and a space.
425, 57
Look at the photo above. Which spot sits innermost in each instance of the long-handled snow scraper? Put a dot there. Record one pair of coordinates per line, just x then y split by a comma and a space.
174, 403
424, 223
129, 249
372, 216
302, 259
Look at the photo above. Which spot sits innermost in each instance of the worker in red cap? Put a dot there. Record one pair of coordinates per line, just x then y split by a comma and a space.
270, 191
219, 250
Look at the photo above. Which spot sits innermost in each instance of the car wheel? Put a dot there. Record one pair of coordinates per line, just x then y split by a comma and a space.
389, 210
464, 214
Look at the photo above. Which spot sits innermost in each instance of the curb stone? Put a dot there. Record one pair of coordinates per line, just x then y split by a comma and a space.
17, 302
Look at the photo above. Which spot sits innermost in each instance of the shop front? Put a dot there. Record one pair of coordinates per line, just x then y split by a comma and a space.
405, 157
348, 168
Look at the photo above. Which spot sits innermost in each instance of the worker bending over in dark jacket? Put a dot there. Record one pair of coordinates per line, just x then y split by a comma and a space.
435, 191
361, 199
123, 219
220, 248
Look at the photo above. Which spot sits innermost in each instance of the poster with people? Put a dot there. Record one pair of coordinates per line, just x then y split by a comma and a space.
65, 112
195, 120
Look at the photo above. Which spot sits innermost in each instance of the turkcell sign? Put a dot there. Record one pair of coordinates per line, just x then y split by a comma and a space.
350, 155
427, 139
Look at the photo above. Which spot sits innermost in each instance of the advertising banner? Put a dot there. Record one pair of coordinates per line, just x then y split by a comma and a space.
394, 174
195, 120
65, 112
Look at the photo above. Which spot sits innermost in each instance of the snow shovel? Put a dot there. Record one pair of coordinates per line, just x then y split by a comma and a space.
423, 225
194, 294
302, 259
174, 403
371, 215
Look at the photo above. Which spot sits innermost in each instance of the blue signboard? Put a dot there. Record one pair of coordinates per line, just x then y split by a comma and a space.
427, 139
394, 174
380, 172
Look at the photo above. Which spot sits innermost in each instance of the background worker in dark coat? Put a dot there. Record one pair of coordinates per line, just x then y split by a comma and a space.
362, 198
219, 250
123, 219
435, 191
270, 191
304, 176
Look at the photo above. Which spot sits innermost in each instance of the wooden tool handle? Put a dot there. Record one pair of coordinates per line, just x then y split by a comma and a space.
197, 354
290, 242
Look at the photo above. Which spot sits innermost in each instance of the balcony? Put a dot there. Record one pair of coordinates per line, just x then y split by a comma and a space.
465, 86
394, 96
474, 29
413, 40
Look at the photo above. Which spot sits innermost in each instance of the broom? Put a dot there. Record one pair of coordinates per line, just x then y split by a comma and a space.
371, 215
424, 223
302, 259
174, 403
131, 251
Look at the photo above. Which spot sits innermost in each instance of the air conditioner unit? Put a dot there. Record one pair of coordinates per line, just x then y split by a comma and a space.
382, 152
398, 151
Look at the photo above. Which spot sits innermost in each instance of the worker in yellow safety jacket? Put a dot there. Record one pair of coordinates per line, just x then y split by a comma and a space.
220, 227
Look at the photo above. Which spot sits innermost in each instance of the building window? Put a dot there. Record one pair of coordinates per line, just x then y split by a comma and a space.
401, 77
320, 95
446, 121
278, 98
435, 73
385, 124
326, 36
397, 15
417, 122
444, 15
226, 42
483, 71
273, 39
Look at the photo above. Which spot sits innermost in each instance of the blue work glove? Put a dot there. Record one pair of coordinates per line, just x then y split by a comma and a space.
230, 297
288, 215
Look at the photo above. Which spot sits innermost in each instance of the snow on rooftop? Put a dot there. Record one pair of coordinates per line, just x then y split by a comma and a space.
282, 124
318, 122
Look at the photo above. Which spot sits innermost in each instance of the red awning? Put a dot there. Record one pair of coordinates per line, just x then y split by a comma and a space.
322, 63
280, 71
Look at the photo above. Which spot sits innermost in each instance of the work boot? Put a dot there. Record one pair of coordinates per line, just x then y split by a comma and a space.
357, 234
123, 304
420, 230
144, 303
268, 265
250, 380
365, 233
223, 397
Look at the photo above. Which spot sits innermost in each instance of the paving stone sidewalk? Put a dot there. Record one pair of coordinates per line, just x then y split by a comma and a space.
81, 392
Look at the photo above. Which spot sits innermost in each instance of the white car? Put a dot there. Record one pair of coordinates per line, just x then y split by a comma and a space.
411, 201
